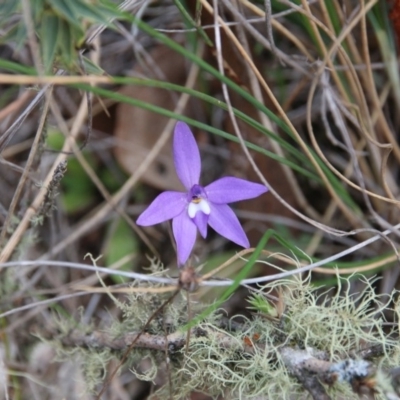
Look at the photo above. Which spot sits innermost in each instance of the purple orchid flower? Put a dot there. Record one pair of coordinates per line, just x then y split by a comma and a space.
199, 205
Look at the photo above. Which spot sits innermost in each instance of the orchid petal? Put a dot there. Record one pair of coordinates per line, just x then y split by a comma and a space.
224, 221
229, 190
186, 156
185, 233
165, 206
201, 219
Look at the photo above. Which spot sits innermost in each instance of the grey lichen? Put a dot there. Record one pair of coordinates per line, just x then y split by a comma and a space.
348, 369
322, 336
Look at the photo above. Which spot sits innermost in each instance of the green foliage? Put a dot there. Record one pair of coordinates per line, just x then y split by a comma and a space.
190, 22
122, 242
261, 304
78, 190
60, 25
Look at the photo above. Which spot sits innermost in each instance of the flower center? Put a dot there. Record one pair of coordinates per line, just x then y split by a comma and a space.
197, 199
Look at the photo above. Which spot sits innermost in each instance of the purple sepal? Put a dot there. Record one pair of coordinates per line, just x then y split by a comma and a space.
224, 221
186, 156
229, 190
165, 206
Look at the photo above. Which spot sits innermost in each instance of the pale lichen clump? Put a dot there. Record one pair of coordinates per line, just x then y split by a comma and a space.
249, 358
337, 326
338, 323
217, 369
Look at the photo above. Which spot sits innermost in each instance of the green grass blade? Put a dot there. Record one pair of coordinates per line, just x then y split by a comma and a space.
49, 39
231, 289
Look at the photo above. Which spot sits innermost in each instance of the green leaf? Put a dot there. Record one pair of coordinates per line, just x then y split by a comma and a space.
55, 140
93, 13
112, 10
122, 243
16, 67
67, 44
78, 191
111, 183
8, 7
16, 34
65, 10
91, 68
192, 23
49, 38
38, 8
